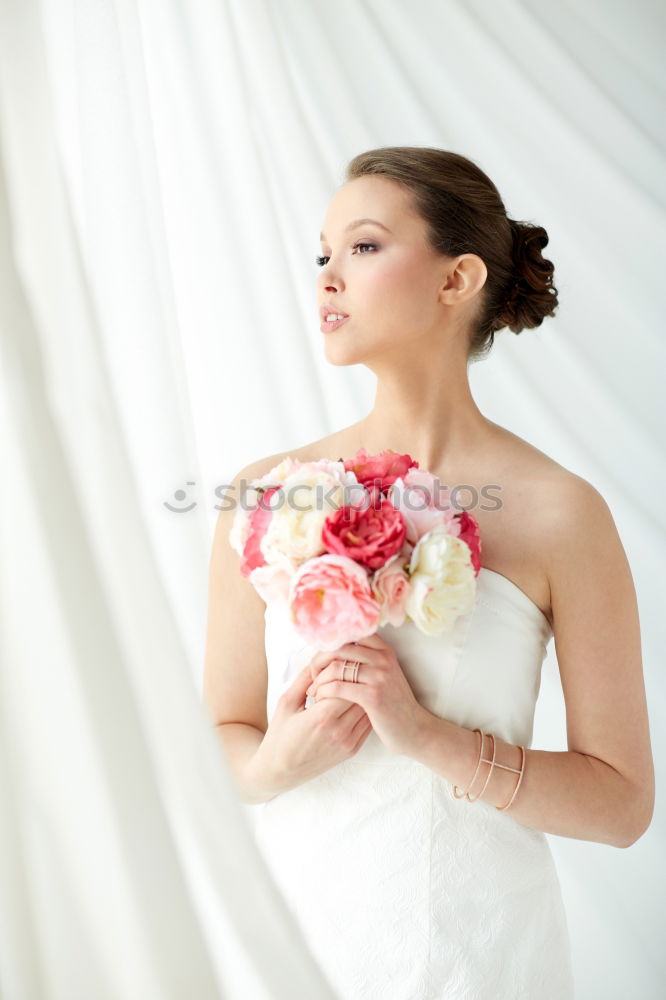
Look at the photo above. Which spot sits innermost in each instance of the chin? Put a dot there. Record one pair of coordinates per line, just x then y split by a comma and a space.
345, 355
342, 361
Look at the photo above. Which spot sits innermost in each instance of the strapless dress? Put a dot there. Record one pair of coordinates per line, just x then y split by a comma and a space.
403, 892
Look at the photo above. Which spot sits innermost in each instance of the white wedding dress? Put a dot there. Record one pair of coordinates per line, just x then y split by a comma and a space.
402, 891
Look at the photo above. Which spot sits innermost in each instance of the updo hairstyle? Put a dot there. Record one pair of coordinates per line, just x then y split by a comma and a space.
465, 213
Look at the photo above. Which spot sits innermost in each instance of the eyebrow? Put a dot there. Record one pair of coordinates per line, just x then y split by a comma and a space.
360, 222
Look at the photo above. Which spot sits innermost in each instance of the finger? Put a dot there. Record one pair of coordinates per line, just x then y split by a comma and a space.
354, 651
361, 725
373, 641
351, 653
354, 711
362, 738
339, 707
321, 660
337, 672
295, 693
349, 690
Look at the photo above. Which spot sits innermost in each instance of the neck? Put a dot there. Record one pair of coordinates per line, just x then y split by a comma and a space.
432, 417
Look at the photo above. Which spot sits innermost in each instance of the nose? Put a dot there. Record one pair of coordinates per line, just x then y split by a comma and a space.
331, 285
330, 282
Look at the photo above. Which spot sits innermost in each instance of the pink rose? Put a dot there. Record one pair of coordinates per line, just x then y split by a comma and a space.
424, 503
331, 602
390, 585
380, 470
258, 519
368, 536
469, 533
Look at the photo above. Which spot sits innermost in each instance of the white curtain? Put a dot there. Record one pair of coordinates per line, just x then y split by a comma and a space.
164, 171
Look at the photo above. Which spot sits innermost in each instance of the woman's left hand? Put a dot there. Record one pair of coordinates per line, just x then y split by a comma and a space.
381, 689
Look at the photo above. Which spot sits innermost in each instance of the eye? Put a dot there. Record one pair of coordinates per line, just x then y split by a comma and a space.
320, 261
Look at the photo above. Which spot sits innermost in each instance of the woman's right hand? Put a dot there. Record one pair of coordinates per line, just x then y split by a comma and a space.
301, 743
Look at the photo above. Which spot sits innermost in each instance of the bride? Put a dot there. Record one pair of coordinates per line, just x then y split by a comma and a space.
403, 811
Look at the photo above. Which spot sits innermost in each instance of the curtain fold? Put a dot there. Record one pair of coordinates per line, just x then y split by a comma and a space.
125, 826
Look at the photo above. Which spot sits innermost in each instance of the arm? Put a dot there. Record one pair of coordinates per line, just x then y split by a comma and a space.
235, 669
254, 778
602, 787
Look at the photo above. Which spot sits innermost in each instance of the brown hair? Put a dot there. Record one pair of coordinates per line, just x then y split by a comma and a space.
465, 214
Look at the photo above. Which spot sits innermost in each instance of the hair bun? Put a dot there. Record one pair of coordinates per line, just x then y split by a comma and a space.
531, 296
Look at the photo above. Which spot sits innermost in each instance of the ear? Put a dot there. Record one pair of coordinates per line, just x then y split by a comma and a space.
465, 276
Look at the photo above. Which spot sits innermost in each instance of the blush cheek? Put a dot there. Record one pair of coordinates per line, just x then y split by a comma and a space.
396, 294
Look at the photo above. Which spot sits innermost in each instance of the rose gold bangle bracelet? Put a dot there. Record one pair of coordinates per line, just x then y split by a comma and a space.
459, 793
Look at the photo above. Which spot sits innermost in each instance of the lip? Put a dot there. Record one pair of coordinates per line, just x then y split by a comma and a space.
325, 310
329, 327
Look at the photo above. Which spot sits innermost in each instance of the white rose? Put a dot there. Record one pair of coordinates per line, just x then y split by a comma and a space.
442, 579
276, 474
296, 534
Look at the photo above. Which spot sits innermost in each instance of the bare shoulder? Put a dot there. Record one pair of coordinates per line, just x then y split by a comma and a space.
567, 506
549, 491
583, 538
571, 524
537, 517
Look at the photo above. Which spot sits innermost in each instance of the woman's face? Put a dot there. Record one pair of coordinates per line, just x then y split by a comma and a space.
387, 279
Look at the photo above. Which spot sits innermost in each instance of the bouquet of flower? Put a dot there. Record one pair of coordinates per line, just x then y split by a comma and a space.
351, 545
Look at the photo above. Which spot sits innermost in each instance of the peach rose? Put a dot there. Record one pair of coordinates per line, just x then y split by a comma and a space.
271, 581
391, 586
331, 602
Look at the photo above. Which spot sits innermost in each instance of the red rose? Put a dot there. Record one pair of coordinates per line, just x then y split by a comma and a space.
368, 536
380, 470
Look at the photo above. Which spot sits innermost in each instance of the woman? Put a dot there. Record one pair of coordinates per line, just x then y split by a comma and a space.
403, 815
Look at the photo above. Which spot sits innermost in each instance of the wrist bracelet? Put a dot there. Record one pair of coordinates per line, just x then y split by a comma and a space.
459, 793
